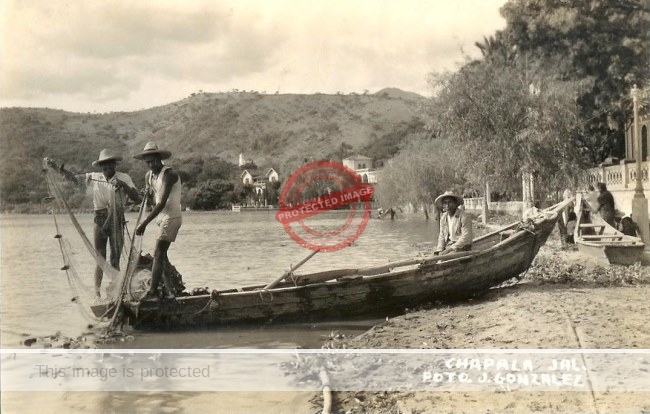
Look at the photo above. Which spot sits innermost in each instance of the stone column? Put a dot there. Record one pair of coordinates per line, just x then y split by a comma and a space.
639, 202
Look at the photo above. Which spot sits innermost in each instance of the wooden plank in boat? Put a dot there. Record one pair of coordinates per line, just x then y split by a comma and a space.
603, 236
301, 280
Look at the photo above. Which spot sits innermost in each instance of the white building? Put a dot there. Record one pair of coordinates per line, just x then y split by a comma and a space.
363, 166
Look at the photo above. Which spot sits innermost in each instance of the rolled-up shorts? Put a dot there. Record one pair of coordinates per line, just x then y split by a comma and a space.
168, 228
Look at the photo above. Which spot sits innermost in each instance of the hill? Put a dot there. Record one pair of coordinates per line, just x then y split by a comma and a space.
396, 93
282, 130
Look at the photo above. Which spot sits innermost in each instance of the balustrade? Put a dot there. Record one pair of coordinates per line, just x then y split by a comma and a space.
618, 176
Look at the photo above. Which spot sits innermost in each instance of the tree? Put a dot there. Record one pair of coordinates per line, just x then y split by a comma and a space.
423, 169
603, 41
506, 118
212, 194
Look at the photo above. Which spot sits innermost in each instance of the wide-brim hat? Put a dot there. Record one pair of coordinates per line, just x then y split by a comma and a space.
151, 149
448, 194
106, 155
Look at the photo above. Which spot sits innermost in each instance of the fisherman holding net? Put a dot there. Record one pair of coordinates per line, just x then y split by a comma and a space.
109, 189
165, 185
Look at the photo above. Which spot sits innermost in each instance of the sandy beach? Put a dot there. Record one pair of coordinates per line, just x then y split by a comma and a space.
564, 301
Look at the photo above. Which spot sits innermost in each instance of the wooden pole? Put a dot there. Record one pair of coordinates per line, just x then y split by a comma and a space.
327, 391
486, 200
291, 269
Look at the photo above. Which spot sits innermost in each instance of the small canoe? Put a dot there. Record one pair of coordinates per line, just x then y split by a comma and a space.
494, 259
597, 239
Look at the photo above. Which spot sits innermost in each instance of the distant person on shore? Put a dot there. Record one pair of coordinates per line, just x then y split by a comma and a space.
567, 195
572, 220
606, 206
165, 185
592, 197
109, 188
455, 225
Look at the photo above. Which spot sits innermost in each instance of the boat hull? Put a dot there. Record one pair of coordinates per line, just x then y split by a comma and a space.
613, 254
597, 239
462, 277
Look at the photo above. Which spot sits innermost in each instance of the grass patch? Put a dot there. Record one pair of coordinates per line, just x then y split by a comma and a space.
547, 269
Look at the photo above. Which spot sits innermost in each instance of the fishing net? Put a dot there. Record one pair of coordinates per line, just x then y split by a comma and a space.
127, 248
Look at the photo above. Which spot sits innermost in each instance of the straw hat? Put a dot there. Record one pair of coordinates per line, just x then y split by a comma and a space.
448, 194
151, 149
106, 155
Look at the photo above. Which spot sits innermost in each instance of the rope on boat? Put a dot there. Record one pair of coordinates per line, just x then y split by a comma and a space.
260, 291
212, 301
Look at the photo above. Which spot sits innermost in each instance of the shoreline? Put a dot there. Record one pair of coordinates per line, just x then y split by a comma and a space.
564, 301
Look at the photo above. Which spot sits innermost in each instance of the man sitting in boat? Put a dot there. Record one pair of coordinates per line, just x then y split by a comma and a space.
455, 225
109, 188
629, 227
166, 187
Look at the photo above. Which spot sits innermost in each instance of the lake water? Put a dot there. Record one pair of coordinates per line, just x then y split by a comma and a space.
217, 250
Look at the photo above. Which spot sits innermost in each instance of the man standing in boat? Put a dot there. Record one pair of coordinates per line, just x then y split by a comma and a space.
109, 188
166, 187
455, 225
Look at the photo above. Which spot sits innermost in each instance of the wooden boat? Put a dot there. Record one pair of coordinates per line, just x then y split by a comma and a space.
596, 238
495, 258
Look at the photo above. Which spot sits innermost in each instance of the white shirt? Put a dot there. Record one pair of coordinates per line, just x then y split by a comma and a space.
172, 208
103, 190
453, 223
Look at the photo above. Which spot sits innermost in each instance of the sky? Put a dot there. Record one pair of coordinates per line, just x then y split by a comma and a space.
126, 55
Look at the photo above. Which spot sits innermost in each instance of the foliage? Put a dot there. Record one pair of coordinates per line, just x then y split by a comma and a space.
550, 270
386, 146
241, 192
343, 151
273, 193
422, 170
507, 119
212, 194
549, 96
604, 41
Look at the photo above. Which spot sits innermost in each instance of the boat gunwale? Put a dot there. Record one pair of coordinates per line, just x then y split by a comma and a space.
511, 240
608, 231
